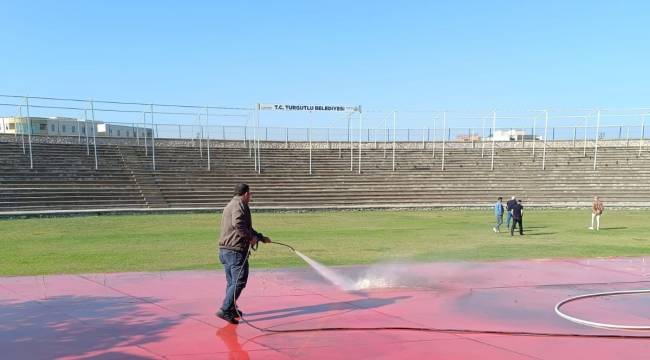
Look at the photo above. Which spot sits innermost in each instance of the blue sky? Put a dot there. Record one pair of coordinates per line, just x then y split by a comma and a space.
462, 55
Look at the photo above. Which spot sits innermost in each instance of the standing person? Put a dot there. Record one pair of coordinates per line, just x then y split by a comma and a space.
236, 238
509, 206
498, 213
597, 209
517, 217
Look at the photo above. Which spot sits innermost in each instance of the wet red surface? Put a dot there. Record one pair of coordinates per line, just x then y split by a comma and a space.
170, 315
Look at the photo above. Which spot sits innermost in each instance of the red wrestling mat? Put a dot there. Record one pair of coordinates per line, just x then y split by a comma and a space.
482, 306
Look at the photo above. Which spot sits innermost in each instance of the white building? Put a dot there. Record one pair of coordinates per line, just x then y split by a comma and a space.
64, 126
513, 135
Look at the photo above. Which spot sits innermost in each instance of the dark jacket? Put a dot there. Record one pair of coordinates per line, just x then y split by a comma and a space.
237, 227
509, 204
517, 211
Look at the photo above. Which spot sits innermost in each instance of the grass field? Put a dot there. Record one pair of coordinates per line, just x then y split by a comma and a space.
189, 241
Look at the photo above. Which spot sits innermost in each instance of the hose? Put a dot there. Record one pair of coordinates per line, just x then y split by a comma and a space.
270, 331
596, 324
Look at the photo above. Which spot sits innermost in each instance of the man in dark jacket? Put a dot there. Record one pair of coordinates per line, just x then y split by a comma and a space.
237, 236
517, 217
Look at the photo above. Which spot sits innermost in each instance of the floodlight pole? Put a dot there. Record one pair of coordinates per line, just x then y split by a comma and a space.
259, 148
575, 130
22, 128
144, 133
309, 137
208, 145
94, 130
16, 126
207, 129
29, 121
642, 133
534, 137
254, 144
494, 126
86, 131
597, 136
584, 144
350, 142
444, 135
394, 135
360, 121
153, 139
433, 139
483, 137
385, 133
200, 136
545, 136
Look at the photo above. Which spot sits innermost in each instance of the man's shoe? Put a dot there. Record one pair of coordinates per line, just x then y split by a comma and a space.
238, 313
494, 229
228, 317
591, 228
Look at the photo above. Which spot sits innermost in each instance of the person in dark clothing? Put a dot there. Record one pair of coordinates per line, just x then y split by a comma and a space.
236, 238
509, 206
517, 218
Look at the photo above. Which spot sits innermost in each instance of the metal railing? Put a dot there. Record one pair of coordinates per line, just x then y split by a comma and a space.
152, 121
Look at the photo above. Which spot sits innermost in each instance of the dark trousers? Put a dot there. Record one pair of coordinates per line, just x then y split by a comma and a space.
514, 225
236, 266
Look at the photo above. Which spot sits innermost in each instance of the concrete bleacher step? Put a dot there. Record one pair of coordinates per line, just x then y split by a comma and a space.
64, 177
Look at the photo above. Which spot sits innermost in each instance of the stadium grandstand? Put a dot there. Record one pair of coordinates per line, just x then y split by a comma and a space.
166, 166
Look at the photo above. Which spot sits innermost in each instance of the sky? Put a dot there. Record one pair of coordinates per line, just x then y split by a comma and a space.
474, 56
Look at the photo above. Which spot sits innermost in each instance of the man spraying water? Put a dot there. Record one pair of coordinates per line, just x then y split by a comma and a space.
237, 236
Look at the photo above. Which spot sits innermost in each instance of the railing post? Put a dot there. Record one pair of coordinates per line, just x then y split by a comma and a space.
29, 121
597, 136
494, 126
482, 137
534, 136
86, 131
433, 139
208, 147
545, 136
575, 131
94, 130
642, 133
394, 135
584, 144
144, 129
444, 126
21, 125
360, 121
153, 139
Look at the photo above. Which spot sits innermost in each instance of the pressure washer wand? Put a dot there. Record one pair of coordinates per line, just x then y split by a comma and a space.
285, 245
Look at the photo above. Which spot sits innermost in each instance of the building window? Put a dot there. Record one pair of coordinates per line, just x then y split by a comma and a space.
74, 128
63, 128
44, 127
118, 133
11, 126
110, 132
83, 130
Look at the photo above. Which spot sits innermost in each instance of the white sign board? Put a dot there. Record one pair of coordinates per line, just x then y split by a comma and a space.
303, 107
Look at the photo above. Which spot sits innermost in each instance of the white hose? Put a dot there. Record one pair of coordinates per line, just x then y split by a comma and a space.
596, 324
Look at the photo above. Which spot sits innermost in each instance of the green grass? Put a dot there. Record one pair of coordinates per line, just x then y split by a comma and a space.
189, 241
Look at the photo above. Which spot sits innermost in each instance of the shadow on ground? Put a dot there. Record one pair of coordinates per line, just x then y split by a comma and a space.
80, 327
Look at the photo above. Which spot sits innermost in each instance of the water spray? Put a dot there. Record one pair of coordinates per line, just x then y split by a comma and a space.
326, 272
